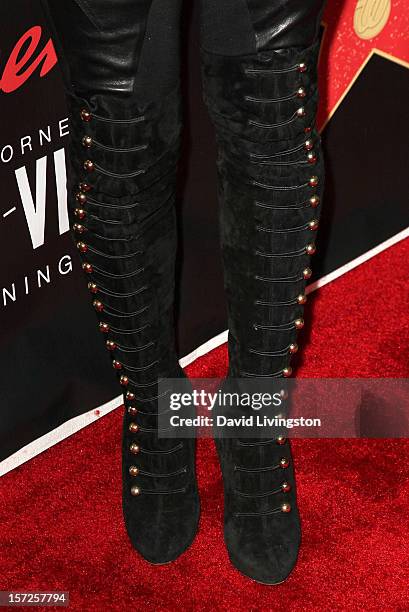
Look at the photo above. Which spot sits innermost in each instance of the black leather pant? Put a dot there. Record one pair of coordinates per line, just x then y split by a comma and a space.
126, 46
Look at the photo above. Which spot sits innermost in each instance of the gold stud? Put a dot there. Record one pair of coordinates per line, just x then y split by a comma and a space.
293, 348
285, 508
310, 249
135, 491
80, 213
80, 229
280, 440
133, 427
301, 299
84, 187
284, 462
133, 470
313, 181
89, 165
104, 327
284, 392
124, 380
134, 448
87, 141
93, 287
81, 197
286, 487
299, 323
87, 267
85, 114
99, 307
307, 273
311, 157
82, 247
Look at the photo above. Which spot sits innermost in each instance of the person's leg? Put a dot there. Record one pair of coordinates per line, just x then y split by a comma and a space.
120, 60
260, 83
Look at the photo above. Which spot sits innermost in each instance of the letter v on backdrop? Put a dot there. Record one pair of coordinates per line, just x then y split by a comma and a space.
34, 209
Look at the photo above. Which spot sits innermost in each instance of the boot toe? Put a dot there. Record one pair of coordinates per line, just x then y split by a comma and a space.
161, 536
268, 565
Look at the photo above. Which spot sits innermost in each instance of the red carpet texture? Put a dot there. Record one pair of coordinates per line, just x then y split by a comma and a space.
60, 514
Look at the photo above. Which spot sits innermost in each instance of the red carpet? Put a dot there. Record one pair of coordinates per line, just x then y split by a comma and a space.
60, 515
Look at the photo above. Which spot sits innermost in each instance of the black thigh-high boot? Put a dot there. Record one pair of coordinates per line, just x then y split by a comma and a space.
120, 60
260, 82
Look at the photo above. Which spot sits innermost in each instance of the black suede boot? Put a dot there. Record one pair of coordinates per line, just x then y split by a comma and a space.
125, 134
263, 104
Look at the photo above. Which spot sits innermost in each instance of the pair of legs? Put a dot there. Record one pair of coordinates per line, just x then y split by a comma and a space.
120, 60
